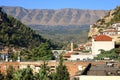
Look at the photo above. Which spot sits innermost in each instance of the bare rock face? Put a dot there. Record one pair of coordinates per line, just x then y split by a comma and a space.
106, 22
51, 17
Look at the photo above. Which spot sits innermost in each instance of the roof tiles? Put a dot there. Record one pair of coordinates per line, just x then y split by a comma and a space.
102, 38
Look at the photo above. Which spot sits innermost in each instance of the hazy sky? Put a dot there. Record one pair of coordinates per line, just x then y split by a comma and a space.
58, 4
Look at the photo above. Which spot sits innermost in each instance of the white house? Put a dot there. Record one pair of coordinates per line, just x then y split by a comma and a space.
110, 32
78, 56
81, 56
117, 27
102, 42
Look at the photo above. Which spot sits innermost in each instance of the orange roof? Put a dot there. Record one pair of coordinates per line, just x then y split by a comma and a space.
103, 38
68, 54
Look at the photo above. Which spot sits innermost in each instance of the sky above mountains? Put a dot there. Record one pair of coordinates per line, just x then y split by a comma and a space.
59, 4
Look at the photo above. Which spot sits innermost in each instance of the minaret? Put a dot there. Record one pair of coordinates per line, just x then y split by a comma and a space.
71, 46
6, 58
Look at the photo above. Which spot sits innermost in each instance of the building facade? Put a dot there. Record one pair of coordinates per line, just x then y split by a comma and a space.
102, 42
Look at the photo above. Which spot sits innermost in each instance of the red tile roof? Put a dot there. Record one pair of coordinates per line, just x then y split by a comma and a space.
102, 38
68, 54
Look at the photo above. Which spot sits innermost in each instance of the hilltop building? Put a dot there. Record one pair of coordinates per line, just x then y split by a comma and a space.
102, 42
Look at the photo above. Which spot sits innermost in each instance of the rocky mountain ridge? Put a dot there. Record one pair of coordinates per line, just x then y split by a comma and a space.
51, 17
107, 22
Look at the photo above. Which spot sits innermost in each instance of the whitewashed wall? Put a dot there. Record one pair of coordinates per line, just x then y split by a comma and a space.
105, 45
99, 78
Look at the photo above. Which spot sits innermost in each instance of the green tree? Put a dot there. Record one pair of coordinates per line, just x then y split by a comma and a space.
9, 73
24, 74
17, 75
27, 74
44, 72
112, 54
53, 76
43, 52
61, 71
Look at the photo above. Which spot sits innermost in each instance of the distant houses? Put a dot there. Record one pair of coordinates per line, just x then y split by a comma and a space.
113, 30
5, 51
92, 49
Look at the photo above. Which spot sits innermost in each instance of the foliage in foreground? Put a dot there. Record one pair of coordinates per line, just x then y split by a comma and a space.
111, 54
44, 73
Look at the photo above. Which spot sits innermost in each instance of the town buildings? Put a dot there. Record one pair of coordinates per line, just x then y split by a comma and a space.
99, 42
79, 62
109, 70
113, 30
72, 67
81, 70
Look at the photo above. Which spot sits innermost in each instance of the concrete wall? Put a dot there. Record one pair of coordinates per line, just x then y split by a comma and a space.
81, 57
105, 45
99, 78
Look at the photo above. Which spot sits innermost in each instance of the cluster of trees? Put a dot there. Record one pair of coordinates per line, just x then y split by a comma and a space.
43, 74
111, 54
15, 34
116, 14
43, 52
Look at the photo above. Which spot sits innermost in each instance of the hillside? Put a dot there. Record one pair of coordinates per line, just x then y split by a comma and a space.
14, 33
63, 25
63, 34
62, 17
107, 22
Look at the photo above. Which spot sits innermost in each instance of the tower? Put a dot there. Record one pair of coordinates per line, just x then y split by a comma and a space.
71, 46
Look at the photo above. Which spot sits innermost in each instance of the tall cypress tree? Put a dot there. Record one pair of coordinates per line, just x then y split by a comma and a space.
61, 71
44, 72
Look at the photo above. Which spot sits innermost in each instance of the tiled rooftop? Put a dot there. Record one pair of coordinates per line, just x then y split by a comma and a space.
68, 54
107, 69
102, 38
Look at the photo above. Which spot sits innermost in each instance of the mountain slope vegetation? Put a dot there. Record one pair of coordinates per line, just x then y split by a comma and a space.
32, 46
63, 34
14, 33
110, 18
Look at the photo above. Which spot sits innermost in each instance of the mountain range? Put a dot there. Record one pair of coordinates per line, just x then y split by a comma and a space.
64, 17
63, 25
